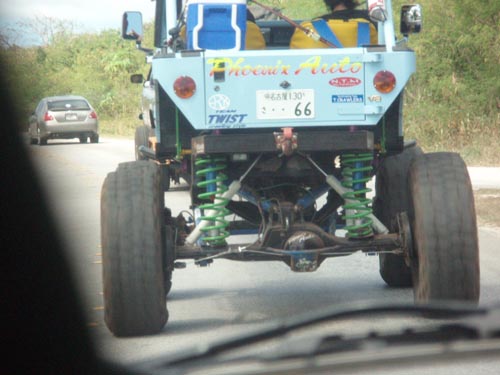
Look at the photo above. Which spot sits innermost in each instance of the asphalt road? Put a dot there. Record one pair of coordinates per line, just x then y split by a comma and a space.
207, 304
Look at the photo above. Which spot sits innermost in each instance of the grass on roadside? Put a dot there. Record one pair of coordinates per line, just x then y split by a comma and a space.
119, 126
437, 128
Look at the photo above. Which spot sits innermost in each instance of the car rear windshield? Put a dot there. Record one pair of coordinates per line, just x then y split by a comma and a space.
64, 105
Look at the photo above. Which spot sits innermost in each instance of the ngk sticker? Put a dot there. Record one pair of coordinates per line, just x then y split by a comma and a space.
345, 82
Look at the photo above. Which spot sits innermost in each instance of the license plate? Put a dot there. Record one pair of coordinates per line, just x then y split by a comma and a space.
285, 104
71, 117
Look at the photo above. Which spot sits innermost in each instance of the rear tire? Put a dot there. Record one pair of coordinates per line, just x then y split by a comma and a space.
94, 138
393, 197
133, 244
83, 139
445, 262
142, 134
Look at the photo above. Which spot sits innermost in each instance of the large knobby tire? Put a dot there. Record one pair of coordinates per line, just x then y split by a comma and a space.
445, 260
393, 197
132, 231
142, 134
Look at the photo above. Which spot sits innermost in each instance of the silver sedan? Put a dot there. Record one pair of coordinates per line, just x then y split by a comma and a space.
64, 117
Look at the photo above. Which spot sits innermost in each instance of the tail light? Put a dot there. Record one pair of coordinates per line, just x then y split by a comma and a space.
184, 87
384, 81
93, 115
48, 117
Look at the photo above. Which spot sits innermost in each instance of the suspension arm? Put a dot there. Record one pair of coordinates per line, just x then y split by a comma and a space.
341, 190
387, 243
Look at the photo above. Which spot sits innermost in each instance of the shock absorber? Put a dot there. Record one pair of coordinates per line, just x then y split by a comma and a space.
356, 172
211, 172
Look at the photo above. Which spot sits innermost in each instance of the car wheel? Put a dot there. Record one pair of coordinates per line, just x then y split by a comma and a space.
40, 140
34, 141
83, 139
445, 259
94, 138
133, 244
393, 197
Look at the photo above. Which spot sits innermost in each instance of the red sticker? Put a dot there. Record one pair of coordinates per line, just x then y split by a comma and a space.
345, 82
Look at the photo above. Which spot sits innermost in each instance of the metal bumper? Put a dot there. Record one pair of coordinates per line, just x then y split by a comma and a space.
307, 141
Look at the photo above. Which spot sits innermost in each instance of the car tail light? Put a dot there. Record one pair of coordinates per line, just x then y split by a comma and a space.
93, 115
384, 81
184, 87
48, 117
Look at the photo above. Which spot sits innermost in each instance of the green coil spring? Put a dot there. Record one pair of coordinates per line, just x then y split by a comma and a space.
210, 170
356, 172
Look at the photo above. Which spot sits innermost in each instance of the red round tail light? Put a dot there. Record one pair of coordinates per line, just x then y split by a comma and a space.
384, 81
184, 87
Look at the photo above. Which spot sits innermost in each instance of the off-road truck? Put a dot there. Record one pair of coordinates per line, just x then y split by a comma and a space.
282, 144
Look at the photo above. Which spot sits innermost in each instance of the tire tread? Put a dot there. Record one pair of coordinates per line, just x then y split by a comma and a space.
132, 240
445, 229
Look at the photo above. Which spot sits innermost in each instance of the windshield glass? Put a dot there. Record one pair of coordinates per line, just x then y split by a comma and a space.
230, 190
65, 105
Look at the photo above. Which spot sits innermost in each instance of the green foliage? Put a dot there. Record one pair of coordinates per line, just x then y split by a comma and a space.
453, 100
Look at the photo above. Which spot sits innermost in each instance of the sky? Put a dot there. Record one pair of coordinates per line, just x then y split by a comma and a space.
86, 15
